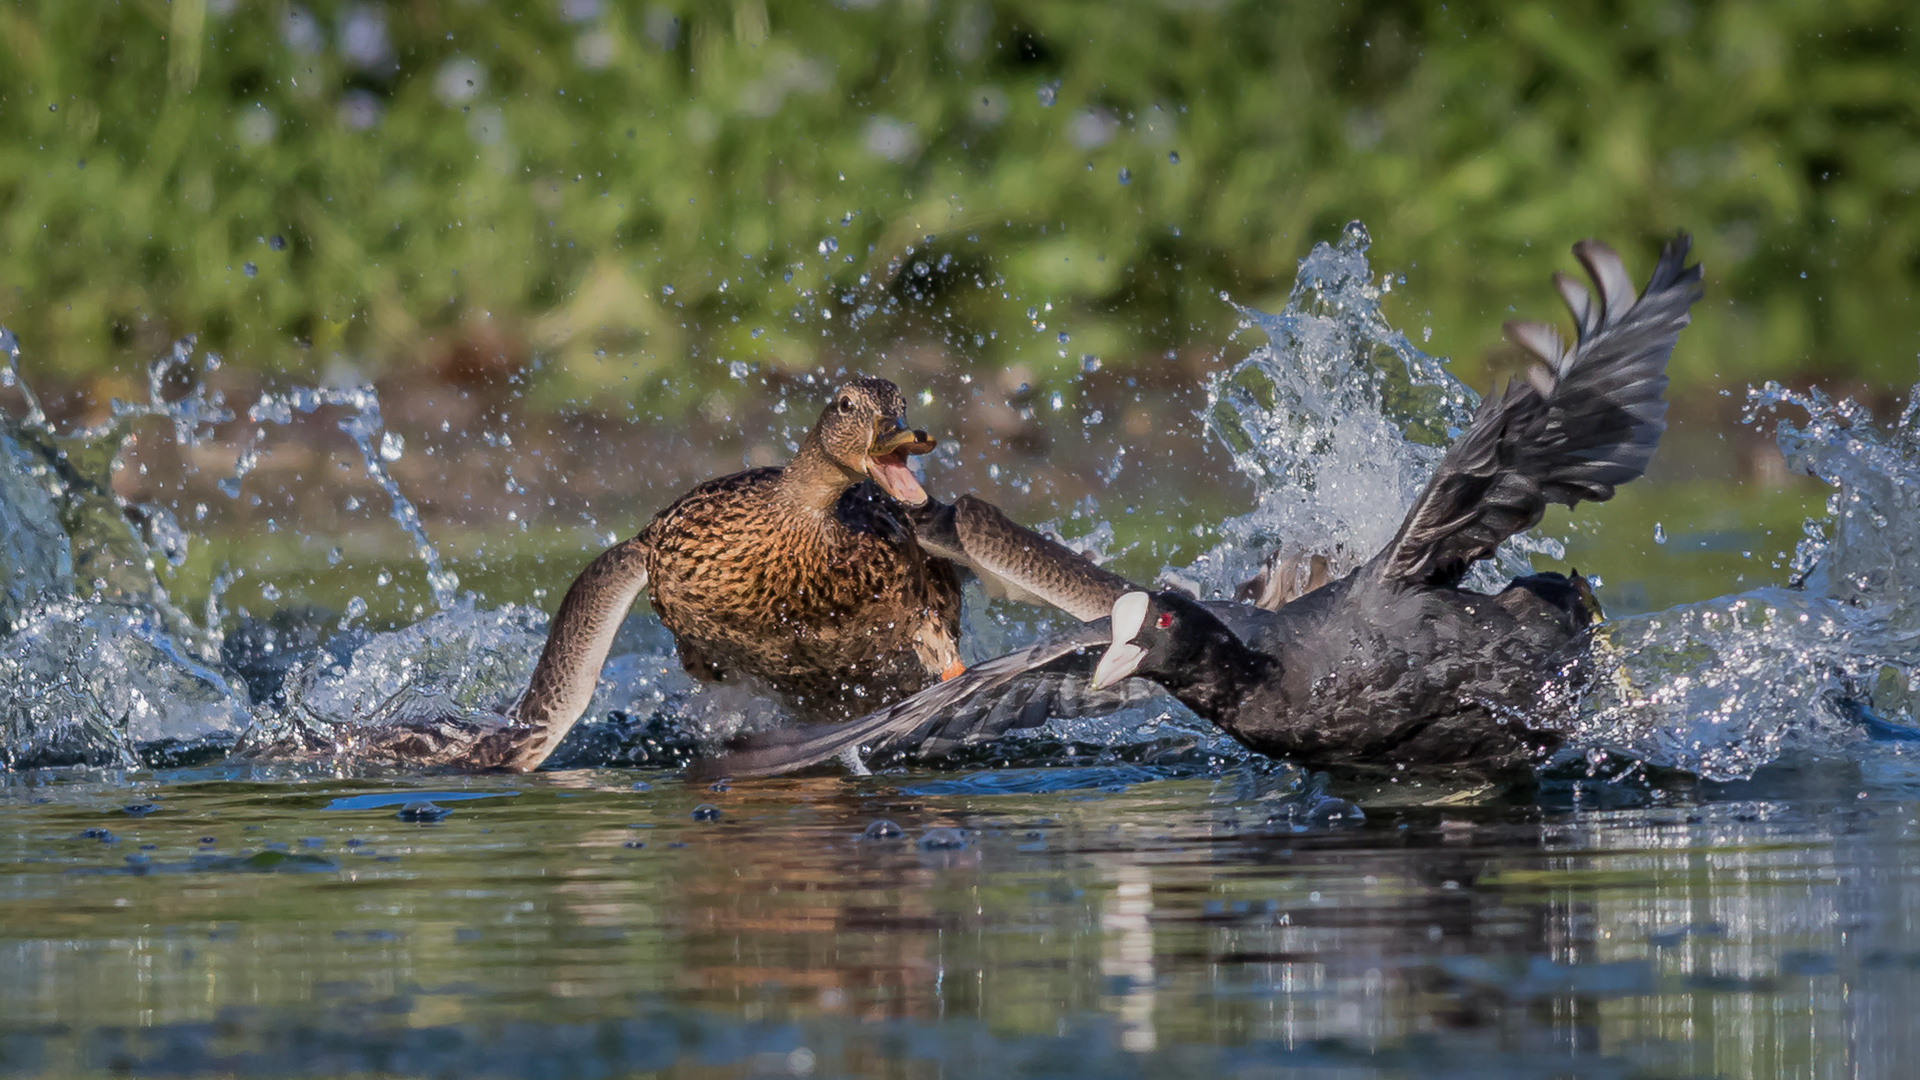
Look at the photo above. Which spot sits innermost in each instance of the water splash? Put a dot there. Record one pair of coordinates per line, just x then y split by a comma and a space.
1867, 552
1339, 420
36, 559
10, 379
177, 392
103, 543
378, 447
1723, 687
469, 663
463, 662
93, 683
99, 660
99, 665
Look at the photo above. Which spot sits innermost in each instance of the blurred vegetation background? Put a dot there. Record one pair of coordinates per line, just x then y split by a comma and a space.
623, 202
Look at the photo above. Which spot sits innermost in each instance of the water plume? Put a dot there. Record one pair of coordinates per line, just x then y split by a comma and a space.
1725, 686
1338, 420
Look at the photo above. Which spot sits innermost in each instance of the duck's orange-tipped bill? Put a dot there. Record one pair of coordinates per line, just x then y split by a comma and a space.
896, 438
954, 671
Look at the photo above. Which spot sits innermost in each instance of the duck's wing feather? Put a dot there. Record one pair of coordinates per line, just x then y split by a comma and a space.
1049, 679
1012, 561
578, 640
1020, 689
1585, 420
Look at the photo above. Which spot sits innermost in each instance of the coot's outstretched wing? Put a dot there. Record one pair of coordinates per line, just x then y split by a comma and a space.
1585, 421
1012, 561
1018, 690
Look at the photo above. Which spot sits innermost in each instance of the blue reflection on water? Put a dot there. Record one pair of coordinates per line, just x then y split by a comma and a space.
1042, 781
379, 799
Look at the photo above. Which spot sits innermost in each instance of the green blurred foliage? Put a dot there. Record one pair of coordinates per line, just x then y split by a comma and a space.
631, 193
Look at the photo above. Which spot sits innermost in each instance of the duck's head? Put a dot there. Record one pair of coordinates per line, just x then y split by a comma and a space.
1164, 636
864, 431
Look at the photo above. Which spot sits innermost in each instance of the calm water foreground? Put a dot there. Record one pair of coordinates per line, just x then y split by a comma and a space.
1062, 922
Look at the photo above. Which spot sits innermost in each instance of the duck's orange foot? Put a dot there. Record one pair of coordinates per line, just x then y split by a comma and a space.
954, 669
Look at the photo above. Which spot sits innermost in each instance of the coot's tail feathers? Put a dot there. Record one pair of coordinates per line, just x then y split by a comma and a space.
1049, 678
1585, 421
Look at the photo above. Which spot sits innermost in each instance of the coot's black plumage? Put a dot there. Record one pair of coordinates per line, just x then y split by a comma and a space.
1394, 665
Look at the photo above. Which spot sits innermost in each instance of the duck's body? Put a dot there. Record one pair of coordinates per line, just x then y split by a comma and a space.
1394, 665
803, 579
836, 609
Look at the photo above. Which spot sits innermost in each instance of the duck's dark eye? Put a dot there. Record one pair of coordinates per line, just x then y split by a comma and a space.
846, 404
1165, 620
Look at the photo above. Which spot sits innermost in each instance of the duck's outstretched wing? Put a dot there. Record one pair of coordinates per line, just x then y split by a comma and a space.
1012, 561
578, 640
1585, 420
1021, 689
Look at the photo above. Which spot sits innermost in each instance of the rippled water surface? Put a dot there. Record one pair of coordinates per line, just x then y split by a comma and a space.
596, 923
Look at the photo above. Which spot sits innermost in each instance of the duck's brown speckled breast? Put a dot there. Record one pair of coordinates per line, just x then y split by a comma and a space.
839, 615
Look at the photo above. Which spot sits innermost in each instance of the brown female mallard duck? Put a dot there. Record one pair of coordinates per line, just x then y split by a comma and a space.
833, 582
803, 578
807, 578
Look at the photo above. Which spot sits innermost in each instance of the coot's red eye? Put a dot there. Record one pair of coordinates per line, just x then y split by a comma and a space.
1165, 620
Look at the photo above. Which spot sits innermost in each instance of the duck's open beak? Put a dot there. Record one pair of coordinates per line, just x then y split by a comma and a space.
893, 443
